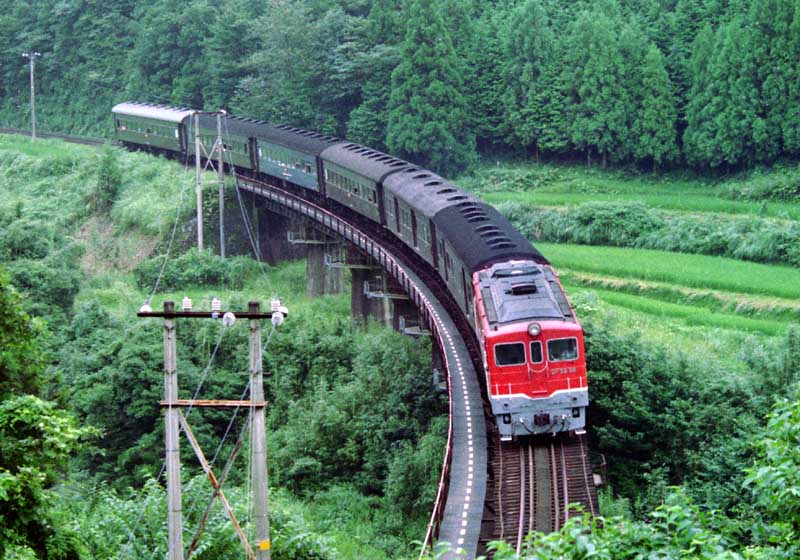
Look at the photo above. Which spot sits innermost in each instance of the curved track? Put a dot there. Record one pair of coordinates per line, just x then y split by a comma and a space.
458, 511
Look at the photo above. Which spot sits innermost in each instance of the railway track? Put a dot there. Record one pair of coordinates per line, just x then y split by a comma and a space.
65, 137
535, 480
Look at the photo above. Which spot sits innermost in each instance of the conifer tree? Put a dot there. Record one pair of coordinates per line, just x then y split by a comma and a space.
486, 86
791, 122
703, 97
428, 113
654, 126
528, 45
594, 69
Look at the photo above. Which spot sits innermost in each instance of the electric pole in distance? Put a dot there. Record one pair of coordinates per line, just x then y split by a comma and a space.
32, 56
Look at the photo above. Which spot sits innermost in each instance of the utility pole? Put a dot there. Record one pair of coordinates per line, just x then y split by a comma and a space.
198, 181
174, 510
32, 56
175, 420
221, 173
258, 444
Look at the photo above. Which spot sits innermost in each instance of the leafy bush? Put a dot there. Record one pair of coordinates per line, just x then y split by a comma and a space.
195, 268
777, 183
633, 224
663, 418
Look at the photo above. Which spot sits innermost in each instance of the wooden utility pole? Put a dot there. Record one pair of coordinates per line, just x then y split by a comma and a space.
31, 56
175, 420
258, 443
172, 441
198, 180
221, 173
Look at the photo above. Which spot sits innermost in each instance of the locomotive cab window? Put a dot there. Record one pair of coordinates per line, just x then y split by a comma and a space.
536, 352
562, 349
509, 354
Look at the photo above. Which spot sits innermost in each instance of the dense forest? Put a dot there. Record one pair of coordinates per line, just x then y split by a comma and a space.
714, 84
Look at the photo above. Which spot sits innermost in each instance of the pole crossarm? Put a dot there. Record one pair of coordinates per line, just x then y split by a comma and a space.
212, 403
216, 485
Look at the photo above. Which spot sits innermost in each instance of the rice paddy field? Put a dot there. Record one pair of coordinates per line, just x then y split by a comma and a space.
703, 304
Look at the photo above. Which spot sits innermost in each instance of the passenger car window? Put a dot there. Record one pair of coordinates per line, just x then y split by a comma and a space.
509, 354
562, 349
536, 352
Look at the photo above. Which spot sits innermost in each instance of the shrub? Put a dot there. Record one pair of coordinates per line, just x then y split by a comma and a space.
195, 268
633, 224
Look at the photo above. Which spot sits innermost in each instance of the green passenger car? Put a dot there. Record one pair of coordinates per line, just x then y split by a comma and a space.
156, 126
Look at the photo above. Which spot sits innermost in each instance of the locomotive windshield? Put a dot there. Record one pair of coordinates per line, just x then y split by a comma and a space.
509, 354
562, 349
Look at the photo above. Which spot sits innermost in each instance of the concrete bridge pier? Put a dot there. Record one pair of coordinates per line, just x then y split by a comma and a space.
321, 278
273, 236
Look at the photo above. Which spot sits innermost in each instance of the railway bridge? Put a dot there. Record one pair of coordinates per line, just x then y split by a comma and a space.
489, 489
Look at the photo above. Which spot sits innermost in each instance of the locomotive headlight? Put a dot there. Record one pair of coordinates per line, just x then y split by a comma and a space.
534, 329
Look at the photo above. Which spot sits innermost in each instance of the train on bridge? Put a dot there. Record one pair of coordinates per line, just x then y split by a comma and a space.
530, 339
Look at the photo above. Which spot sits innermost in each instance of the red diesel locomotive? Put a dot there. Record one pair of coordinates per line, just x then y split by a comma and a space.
532, 346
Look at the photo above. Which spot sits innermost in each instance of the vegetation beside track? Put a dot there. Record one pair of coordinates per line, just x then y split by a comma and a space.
686, 352
355, 425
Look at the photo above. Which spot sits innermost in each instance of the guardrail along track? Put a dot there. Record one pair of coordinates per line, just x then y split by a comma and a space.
535, 480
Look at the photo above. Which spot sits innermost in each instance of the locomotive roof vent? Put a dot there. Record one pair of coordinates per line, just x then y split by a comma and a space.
522, 289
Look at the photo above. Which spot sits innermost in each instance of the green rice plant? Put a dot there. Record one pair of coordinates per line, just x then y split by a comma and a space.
714, 300
685, 202
697, 271
692, 315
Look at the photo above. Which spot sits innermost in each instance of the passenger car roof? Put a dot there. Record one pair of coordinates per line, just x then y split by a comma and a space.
365, 161
425, 191
480, 235
152, 111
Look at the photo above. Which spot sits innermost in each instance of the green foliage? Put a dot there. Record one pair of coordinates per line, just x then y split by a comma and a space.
428, 112
35, 441
115, 524
676, 529
774, 479
21, 357
194, 268
633, 224
109, 181
654, 125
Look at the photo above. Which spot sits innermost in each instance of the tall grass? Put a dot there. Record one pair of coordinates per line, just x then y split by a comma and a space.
698, 271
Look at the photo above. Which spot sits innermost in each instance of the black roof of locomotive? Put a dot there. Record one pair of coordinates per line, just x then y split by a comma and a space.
292, 137
365, 161
480, 235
